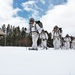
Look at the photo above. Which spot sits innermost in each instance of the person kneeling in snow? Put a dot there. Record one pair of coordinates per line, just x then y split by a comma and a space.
44, 38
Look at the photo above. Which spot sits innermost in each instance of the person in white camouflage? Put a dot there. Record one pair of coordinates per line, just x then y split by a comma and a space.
44, 38
35, 30
67, 40
56, 38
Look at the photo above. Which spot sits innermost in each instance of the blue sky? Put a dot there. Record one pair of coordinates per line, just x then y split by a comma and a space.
41, 7
49, 12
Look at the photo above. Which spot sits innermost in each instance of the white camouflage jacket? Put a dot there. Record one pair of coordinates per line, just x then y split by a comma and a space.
35, 27
44, 36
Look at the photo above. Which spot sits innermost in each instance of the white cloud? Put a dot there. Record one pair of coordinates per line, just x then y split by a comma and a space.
7, 13
61, 15
28, 5
32, 7
6, 5
42, 1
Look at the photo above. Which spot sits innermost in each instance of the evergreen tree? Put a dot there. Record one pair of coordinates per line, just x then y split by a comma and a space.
3, 28
23, 33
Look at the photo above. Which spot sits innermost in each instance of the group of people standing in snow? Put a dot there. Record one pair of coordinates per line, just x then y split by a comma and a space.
37, 31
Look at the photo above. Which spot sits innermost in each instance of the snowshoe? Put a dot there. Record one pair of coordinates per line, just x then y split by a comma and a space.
33, 49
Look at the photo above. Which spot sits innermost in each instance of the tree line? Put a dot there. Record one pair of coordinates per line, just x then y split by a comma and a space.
16, 36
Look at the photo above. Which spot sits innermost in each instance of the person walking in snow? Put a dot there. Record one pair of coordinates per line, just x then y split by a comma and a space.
56, 38
67, 40
35, 30
44, 38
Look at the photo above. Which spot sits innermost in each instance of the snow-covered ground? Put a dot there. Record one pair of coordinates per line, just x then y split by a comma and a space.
21, 61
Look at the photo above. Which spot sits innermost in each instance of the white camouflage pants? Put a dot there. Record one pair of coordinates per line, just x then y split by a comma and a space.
67, 45
44, 44
56, 43
34, 39
73, 45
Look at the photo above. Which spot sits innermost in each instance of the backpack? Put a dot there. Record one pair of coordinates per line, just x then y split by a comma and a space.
60, 29
39, 23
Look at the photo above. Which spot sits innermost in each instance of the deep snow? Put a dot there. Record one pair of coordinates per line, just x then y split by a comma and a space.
21, 61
